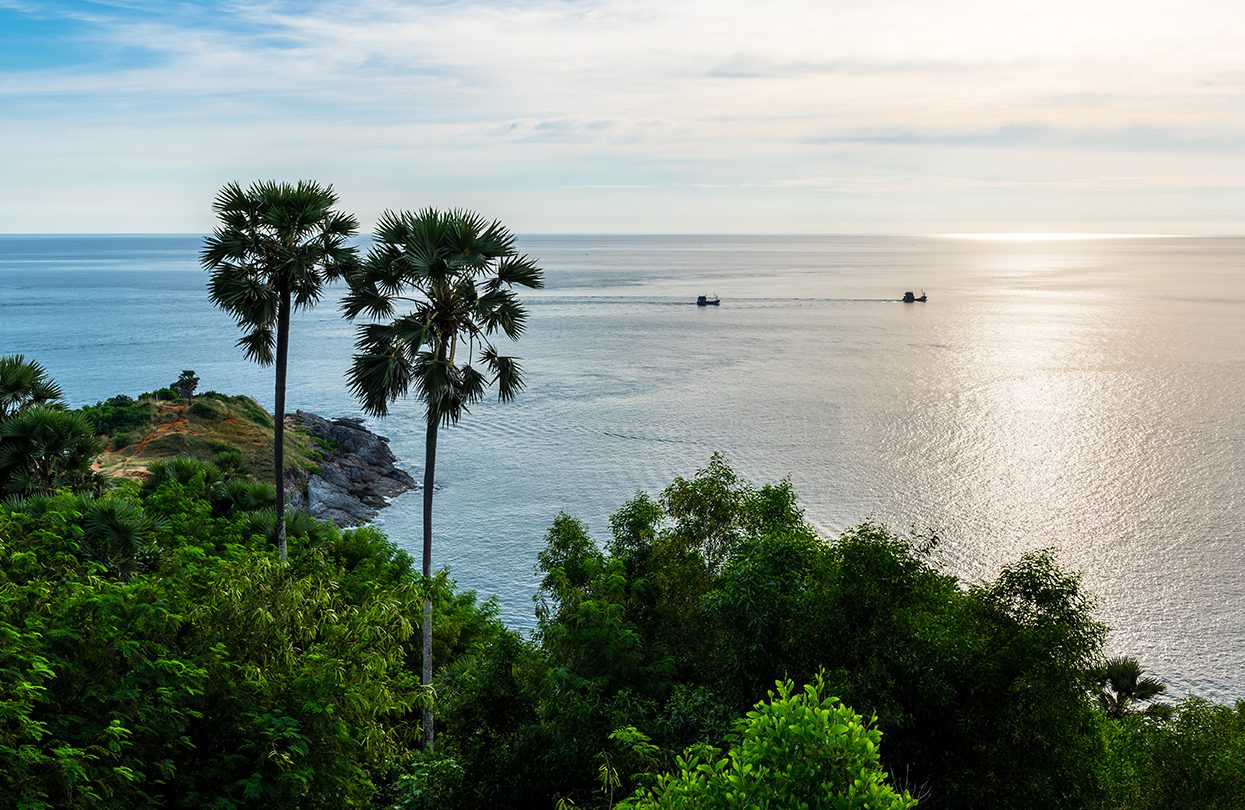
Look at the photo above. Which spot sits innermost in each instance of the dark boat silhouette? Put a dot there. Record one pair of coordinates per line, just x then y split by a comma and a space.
911, 297
706, 301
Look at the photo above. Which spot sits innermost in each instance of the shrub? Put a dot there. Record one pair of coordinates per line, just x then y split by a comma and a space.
117, 414
205, 409
800, 750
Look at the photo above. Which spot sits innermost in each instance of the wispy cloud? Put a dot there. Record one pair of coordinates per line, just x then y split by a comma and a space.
523, 105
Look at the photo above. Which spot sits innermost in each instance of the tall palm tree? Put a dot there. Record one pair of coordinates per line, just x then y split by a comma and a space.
1121, 689
275, 248
23, 384
442, 283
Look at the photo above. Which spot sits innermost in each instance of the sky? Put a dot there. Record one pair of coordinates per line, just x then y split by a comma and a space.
633, 116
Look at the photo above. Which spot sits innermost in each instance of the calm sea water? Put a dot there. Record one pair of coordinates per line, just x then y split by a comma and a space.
1085, 395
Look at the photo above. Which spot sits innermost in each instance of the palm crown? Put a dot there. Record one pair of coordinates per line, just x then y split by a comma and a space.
274, 239
451, 274
1121, 688
23, 384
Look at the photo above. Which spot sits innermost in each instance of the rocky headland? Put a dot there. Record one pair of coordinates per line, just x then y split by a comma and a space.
357, 475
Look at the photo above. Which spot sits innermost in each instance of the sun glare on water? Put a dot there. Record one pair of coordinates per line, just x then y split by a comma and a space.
1051, 237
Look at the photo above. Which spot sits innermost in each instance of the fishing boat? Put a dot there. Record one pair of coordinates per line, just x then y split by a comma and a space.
911, 297
706, 301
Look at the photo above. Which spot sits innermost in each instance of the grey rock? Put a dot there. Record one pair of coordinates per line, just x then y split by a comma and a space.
357, 477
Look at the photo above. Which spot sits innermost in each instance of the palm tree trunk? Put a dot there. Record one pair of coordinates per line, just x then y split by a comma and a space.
278, 431
430, 463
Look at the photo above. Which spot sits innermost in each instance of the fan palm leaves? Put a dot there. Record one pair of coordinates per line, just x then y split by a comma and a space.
23, 384
275, 248
438, 288
120, 535
183, 470
1121, 689
44, 448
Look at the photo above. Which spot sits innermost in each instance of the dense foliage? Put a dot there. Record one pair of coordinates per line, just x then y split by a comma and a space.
1192, 758
43, 447
795, 751
707, 595
154, 652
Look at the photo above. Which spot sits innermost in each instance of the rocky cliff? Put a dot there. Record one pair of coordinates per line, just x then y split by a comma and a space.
357, 476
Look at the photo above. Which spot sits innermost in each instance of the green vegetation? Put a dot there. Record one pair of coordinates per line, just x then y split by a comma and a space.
276, 246
456, 272
43, 447
154, 652
233, 432
1192, 757
186, 384
1122, 689
794, 751
24, 383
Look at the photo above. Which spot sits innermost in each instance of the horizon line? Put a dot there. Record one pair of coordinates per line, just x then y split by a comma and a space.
1019, 236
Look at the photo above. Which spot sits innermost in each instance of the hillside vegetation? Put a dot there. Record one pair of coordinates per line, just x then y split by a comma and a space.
233, 432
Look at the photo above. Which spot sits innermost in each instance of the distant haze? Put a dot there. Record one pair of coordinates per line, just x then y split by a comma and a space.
634, 116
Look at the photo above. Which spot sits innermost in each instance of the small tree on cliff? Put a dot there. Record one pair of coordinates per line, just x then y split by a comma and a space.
453, 274
186, 385
276, 246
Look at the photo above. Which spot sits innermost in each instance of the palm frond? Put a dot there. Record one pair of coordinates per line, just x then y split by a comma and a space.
507, 373
364, 297
24, 383
471, 385
381, 371
518, 271
247, 296
500, 309
259, 345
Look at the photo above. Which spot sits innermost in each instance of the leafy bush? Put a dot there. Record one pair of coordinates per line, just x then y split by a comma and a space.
117, 414
165, 394
799, 750
206, 409
44, 448
232, 461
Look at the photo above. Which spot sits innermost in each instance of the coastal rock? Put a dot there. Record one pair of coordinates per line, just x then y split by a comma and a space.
357, 477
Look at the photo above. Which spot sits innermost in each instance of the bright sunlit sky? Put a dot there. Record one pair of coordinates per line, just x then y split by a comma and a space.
643, 116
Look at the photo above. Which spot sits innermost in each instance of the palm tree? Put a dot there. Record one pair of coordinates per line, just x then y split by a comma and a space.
443, 283
23, 384
1121, 688
276, 246
44, 448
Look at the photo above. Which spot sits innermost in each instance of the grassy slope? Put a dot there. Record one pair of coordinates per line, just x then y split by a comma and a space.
234, 431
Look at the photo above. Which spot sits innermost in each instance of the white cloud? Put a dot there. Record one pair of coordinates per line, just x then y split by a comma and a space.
494, 101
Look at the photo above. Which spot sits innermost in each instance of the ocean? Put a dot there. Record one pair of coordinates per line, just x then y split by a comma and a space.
1085, 395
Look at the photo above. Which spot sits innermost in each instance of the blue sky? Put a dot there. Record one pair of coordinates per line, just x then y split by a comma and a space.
646, 116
